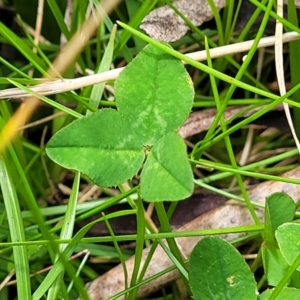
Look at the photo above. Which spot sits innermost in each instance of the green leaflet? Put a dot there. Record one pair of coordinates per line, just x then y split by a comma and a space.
166, 176
101, 146
154, 95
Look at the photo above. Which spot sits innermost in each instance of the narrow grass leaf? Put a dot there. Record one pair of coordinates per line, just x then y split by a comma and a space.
135, 20
289, 25
227, 140
56, 11
138, 257
133, 10
118, 250
97, 89
66, 233
173, 251
31, 43
21, 46
17, 234
32, 203
218, 21
26, 78
58, 266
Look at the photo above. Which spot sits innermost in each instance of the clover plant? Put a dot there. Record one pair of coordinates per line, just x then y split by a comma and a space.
218, 270
154, 96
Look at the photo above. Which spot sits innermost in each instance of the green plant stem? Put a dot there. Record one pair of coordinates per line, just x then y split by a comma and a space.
165, 227
225, 168
141, 225
66, 232
148, 236
252, 232
146, 6
105, 64
285, 22
250, 119
232, 87
119, 251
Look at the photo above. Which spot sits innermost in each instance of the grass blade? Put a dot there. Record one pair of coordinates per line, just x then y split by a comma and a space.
66, 233
97, 90
17, 234
18, 43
